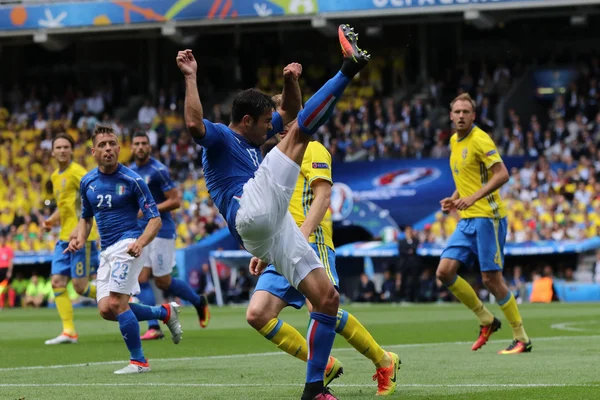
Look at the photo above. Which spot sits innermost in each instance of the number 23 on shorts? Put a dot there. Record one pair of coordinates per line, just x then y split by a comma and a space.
120, 271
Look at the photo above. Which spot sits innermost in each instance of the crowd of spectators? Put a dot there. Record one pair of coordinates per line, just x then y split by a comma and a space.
27, 126
555, 196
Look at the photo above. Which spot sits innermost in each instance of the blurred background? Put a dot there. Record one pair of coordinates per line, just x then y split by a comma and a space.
532, 67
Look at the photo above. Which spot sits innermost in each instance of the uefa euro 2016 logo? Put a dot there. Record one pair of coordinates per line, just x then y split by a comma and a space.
406, 177
342, 201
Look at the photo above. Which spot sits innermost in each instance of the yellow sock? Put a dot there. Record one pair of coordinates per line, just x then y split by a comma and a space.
65, 310
511, 312
286, 338
465, 293
90, 291
358, 336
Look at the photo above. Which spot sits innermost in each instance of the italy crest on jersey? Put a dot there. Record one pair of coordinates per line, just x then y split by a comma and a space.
120, 189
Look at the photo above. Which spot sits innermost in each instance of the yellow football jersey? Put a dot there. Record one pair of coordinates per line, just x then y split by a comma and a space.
65, 186
315, 165
470, 160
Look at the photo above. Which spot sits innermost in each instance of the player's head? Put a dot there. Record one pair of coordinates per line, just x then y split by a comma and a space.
462, 112
277, 100
251, 113
105, 147
62, 148
141, 146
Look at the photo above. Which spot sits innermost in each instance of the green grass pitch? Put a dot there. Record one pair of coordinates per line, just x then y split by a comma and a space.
228, 360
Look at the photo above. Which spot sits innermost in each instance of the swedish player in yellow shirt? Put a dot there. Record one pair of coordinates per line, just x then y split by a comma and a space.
65, 266
310, 208
478, 172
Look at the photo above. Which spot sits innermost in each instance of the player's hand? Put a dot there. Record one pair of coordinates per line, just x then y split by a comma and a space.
140, 214
292, 71
135, 249
75, 244
187, 63
257, 266
463, 204
47, 225
447, 204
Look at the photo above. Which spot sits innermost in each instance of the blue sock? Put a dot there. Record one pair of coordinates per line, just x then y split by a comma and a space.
320, 337
130, 329
182, 290
148, 313
146, 296
505, 300
320, 106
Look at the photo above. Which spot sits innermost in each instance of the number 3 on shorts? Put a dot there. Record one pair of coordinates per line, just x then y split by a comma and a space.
120, 271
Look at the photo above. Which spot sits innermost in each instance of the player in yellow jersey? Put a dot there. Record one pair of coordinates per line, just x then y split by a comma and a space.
479, 172
310, 208
65, 266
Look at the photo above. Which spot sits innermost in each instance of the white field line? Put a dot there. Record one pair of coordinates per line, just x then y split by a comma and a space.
570, 326
280, 353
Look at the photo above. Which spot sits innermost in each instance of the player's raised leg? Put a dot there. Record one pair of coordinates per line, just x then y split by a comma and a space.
146, 297
320, 106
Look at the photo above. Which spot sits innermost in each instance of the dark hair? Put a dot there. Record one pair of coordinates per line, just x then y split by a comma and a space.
141, 134
102, 130
250, 102
65, 136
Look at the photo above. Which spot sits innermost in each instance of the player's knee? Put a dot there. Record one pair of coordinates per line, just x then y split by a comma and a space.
329, 302
80, 285
58, 282
116, 305
256, 318
163, 282
445, 273
493, 281
105, 312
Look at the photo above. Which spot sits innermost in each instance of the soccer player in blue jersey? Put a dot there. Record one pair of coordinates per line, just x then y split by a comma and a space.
113, 194
254, 195
160, 259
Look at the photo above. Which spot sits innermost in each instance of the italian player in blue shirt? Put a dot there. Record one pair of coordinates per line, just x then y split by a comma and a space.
113, 194
254, 195
160, 259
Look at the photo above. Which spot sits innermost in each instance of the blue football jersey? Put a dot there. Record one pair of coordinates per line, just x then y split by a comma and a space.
115, 200
229, 161
157, 177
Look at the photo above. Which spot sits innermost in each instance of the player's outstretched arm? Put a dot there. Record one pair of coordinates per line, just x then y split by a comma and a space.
193, 112
291, 96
